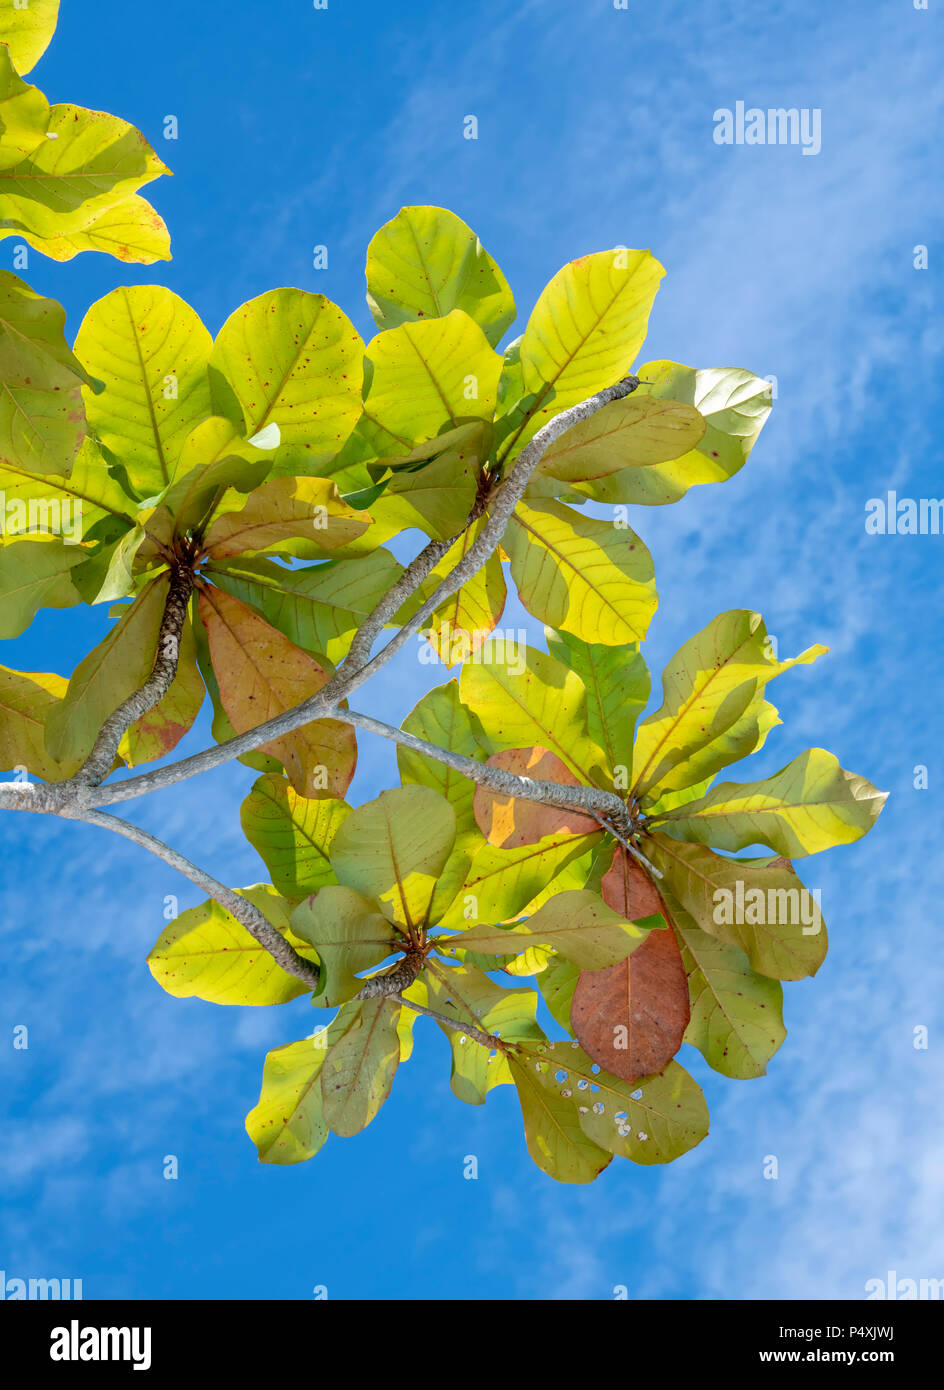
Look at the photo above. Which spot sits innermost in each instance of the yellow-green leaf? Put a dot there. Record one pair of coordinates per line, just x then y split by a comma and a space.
581, 574
424, 263
552, 1130
35, 574
810, 805
634, 432
26, 700
206, 953
151, 351
287, 1124
292, 834
349, 935
359, 1069
303, 516
292, 359
392, 849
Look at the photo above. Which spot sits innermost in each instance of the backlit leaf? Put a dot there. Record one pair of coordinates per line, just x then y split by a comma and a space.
359, 1069
349, 935
292, 834
35, 574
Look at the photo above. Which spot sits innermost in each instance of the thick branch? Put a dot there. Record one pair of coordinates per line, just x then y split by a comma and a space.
100, 761
258, 925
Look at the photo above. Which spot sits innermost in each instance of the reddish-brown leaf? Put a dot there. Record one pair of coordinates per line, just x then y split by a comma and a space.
631, 1017
260, 674
509, 821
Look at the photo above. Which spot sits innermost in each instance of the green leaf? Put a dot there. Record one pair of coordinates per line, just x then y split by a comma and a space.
441, 718
544, 704
500, 883
35, 574
291, 834
26, 701
349, 935
552, 1130
430, 374
616, 680
392, 849
654, 1120
151, 351
213, 458
292, 359
585, 331
112, 671
734, 404
206, 953
557, 982
581, 574
261, 674
318, 608
301, 516
287, 1124
426, 262
578, 925
634, 432
810, 805
736, 1015
89, 162
359, 1069
24, 111
41, 418
713, 711
27, 31
758, 905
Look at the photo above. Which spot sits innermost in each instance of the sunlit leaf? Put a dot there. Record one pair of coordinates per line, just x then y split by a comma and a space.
349, 935
26, 701
27, 30
580, 573
205, 952
359, 1069
35, 574
552, 1129
303, 516
292, 834
810, 805
424, 263
616, 680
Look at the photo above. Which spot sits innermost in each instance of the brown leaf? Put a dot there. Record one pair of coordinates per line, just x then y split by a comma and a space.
631, 1017
260, 674
509, 821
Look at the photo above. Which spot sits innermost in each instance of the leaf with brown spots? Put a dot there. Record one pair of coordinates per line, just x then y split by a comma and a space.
509, 821
631, 1017
262, 674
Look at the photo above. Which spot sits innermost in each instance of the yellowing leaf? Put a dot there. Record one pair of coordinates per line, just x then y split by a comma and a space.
151, 351
205, 952
430, 374
634, 432
287, 1124
131, 231
424, 263
300, 515
810, 805
585, 331
578, 925
713, 711
26, 700
758, 905
552, 1129
27, 30
261, 674
292, 834
24, 111
581, 574
292, 359
500, 883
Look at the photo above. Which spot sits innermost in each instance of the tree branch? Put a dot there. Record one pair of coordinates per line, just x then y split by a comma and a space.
454, 1025
256, 923
100, 761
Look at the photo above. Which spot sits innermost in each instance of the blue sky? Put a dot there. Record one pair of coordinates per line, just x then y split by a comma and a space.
300, 127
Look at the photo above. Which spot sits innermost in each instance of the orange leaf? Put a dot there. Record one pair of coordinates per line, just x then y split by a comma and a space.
509, 821
630, 1018
260, 674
